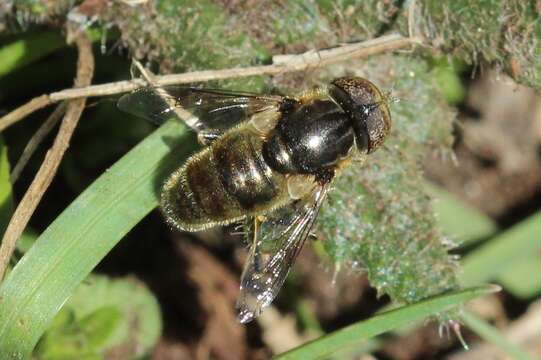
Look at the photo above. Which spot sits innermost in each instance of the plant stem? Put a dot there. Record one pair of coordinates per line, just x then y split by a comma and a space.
282, 64
47, 171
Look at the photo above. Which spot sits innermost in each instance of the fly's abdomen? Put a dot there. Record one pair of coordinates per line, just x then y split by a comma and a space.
222, 184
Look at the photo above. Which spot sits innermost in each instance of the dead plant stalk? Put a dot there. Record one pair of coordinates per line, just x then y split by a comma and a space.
45, 174
282, 64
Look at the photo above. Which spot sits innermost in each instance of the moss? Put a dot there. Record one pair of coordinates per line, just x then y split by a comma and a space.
189, 34
522, 42
356, 20
22, 14
468, 29
186, 35
502, 33
299, 21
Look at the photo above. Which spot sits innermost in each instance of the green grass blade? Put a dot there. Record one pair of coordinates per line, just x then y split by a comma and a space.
458, 219
27, 49
488, 260
492, 335
82, 235
500, 253
362, 331
6, 202
519, 278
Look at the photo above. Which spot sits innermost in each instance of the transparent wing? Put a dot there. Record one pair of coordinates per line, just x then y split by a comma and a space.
201, 109
277, 240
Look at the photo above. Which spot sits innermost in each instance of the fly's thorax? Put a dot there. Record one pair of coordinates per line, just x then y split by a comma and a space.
367, 108
316, 136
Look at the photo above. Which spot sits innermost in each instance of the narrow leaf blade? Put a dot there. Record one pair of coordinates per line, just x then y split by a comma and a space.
496, 256
364, 330
492, 335
82, 235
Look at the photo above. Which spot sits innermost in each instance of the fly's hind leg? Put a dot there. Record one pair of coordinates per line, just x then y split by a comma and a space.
255, 247
251, 228
248, 303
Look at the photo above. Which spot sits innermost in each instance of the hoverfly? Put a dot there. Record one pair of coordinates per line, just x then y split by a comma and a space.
267, 161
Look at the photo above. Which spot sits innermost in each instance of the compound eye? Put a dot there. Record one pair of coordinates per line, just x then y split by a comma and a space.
367, 107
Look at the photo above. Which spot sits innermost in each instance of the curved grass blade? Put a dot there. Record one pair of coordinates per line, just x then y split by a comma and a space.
518, 278
503, 251
82, 235
6, 202
362, 331
493, 335
463, 222
32, 47
27, 49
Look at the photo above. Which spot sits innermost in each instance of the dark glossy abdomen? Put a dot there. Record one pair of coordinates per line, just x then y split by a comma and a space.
222, 184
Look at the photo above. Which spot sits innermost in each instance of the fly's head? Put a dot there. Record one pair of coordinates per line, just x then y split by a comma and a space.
367, 108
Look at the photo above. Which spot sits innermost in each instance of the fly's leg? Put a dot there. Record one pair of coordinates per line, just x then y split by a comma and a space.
207, 137
256, 249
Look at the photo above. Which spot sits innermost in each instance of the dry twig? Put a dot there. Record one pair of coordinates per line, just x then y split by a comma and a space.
44, 177
282, 64
412, 29
36, 139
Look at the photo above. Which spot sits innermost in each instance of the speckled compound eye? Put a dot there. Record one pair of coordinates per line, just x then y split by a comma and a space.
367, 107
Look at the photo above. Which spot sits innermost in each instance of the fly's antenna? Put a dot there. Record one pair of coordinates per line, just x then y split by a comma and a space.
389, 98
